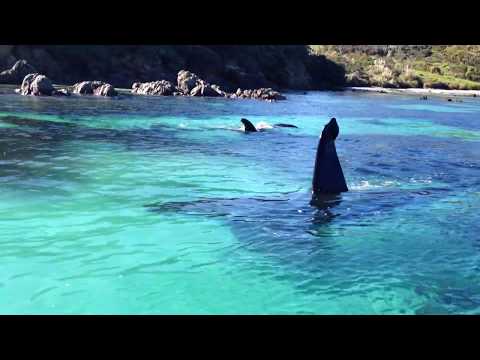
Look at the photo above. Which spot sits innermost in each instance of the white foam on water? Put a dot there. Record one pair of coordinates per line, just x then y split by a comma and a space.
367, 185
264, 125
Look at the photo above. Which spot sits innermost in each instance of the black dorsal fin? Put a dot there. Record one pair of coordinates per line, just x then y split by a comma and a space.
249, 127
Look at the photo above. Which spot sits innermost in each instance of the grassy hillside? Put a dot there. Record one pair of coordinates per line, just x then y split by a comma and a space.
403, 66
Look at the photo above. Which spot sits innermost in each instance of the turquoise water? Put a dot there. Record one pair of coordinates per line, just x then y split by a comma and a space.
151, 205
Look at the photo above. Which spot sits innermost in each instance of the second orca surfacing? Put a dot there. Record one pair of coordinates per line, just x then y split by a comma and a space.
249, 127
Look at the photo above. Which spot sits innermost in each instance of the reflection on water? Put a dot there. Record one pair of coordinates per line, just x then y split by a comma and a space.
150, 205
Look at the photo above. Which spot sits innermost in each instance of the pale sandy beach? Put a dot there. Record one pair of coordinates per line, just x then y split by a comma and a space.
419, 91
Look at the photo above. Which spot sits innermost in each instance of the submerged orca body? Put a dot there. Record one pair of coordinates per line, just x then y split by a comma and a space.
328, 175
249, 127
286, 125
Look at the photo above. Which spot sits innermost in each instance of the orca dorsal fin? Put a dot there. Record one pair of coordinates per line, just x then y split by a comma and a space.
249, 127
328, 176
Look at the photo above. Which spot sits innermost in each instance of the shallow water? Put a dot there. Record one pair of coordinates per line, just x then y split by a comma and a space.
151, 205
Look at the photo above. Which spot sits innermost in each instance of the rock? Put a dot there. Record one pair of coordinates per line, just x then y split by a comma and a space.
356, 79
190, 84
98, 88
187, 81
219, 91
436, 85
17, 73
84, 87
62, 92
197, 90
104, 90
204, 89
266, 94
161, 87
37, 84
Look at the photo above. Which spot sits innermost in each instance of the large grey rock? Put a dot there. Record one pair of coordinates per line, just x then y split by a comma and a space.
204, 89
17, 73
98, 88
187, 81
190, 84
219, 91
266, 94
161, 87
37, 85
105, 90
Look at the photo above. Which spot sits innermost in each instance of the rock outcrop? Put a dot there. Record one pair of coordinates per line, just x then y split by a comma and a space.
205, 89
162, 87
37, 85
97, 88
190, 84
17, 73
187, 81
267, 94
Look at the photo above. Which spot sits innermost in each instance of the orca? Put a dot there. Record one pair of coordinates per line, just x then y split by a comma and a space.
286, 125
328, 176
249, 127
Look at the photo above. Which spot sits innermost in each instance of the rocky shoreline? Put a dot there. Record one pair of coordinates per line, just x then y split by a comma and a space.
188, 84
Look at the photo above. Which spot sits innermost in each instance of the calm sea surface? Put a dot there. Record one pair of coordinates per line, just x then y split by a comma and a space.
152, 205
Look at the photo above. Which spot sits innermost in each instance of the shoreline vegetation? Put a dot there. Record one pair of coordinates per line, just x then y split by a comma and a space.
446, 67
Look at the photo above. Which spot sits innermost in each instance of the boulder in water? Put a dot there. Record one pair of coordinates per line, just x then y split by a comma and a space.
187, 81
162, 87
205, 89
105, 90
37, 85
98, 88
190, 84
267, 94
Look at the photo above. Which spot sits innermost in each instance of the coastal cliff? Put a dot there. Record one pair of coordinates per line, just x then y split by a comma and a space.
282, 67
